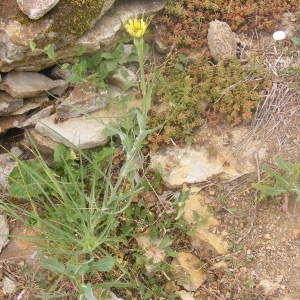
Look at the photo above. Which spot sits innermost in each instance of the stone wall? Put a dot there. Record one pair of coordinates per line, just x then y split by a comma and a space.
31, 96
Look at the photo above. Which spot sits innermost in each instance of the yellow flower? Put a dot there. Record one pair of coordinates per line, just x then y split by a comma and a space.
136, 28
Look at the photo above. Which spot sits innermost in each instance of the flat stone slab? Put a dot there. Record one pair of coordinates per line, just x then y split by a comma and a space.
31, 104
32, 120
81, 100
211, 155
188, 165
7, 123
28, 84
186, 271
43, 143
21, 245
75, 132
83, 132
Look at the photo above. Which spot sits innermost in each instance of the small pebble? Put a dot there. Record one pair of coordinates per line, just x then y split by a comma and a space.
9, 286
279, 35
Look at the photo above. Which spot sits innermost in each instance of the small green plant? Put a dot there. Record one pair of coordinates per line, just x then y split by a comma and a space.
296, 41
284, 179
93, 69
75, 209
96, 68
177, 105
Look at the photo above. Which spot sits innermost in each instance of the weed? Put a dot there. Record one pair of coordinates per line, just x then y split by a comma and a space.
82, 207
93, 70
75, 208
284, 179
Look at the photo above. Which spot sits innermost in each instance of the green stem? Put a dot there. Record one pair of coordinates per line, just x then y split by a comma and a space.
139, 44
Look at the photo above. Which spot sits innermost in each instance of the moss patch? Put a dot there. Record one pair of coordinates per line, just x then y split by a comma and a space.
188, 93
71, 19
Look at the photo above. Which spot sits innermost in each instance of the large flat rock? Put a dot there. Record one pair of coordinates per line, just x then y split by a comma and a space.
28, 84
107, 31
83, 132
211, 155
181, 166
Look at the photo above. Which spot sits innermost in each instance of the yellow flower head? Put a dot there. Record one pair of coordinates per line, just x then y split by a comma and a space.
136, 28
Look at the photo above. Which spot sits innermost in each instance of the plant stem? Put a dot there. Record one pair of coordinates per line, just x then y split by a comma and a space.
139, 44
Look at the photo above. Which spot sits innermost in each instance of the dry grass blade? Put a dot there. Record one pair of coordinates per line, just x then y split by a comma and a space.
274, 116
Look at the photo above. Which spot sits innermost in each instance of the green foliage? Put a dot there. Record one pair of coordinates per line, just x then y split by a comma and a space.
176, 105
82, 207
188, 93
26, 185
296, 41
284, 179
49, 50
95, 68
75, 207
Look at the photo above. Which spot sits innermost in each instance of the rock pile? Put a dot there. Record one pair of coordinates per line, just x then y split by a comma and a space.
33, 96
22, 94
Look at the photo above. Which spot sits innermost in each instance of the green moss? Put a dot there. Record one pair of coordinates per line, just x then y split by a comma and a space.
74, 17
71, 19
